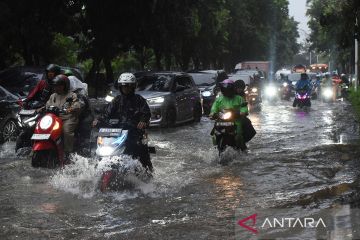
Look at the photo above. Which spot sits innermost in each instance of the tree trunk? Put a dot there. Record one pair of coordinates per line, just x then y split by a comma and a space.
168, 61
158, 55
109, 71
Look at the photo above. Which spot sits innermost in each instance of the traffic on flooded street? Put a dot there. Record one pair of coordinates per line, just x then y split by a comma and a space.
231, 119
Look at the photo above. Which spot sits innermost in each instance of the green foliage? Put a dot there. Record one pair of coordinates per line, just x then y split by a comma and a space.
64, 50
332, 24
354, 98
147, 34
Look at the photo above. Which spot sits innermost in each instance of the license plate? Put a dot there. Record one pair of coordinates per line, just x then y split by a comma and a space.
40, 137
110, 130
27, 112
225, 124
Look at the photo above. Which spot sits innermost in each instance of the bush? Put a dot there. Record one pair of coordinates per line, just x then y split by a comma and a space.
354, 98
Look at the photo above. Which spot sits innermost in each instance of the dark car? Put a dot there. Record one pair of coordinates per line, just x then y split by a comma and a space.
22, 79
206, 81
172, 97
8, 110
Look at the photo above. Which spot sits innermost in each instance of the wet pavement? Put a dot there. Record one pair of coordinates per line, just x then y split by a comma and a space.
299, 158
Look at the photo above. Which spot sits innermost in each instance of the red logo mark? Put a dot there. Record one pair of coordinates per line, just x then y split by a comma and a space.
253, 218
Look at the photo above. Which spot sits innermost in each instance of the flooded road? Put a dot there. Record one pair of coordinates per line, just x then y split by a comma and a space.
297, 159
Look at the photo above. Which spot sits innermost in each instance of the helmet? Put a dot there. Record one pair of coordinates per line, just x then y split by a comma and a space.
53, 68
127, 79
68, 72
239, 84
61, 80
227, 88
303, 76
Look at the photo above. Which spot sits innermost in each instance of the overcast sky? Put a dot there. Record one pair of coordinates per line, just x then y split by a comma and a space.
297, 9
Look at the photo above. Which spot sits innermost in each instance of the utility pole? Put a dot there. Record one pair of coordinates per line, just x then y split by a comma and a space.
356, 50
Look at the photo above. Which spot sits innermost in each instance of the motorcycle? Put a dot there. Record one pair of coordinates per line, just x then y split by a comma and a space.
285, 91
27, 118
111, 142
252, 95
302, 98
224, 130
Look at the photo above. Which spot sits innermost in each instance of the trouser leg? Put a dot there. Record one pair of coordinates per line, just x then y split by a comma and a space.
69, 127
239, 139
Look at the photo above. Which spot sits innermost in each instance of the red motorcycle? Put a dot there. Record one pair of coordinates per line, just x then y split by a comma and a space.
47, 139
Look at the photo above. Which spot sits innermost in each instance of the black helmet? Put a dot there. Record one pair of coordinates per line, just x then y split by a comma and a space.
62, 80
303, 76
227, 88
239, 84
53, 68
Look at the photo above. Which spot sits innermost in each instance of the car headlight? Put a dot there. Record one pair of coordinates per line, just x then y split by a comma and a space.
46, 122
206, 94
156, 100
270, 91
109, 98
254, 90
285, 84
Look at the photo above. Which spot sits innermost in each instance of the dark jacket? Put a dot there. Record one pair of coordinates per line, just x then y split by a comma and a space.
132, 108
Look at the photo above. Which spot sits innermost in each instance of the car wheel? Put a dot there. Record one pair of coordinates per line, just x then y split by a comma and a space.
197, 112
170, 118
9, 131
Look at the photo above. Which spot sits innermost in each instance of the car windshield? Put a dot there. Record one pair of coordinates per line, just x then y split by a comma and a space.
203, 79
160, 83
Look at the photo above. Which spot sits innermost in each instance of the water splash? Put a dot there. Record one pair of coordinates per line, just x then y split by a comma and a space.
83, 176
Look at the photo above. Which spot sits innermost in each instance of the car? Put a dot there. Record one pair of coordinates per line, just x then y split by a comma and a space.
206, 81
8, 110
21, 80
173, 97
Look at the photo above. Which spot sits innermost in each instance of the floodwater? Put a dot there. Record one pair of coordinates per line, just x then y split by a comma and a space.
299, 158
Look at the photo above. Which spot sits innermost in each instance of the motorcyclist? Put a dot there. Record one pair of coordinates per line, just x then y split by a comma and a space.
230, 100
64, 99
239, 86
131, 108
86, 115
328, 82
42, 90
303, 83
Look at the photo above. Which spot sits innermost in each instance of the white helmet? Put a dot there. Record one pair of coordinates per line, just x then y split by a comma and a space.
126, 78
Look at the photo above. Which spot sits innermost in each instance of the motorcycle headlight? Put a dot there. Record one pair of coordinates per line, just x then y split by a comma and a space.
156, 100
285, 84
254, 90
327, 93
105, 151
227, 116
109, 98
46, 122
270, 91
206, 93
